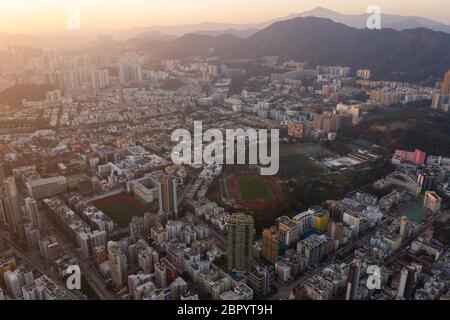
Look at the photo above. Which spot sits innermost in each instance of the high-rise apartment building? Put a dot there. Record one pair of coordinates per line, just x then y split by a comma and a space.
429, 179
2, 241
403, 227
406, 283
130, 73
12, 283
270, 243
117, 263
313, 247
12, 207
168, 198
32, 211
441, 102
288, 230
260, 279
432, 201
446, 83
2, 175
160, 276
354, 273
363, 74
100, 78
327, 122
3, 218
240, 242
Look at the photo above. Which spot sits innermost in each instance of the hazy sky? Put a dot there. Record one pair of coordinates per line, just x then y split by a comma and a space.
35, 16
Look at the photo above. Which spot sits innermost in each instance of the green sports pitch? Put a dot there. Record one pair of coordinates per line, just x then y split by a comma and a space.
121, 211
251, 188
415, 214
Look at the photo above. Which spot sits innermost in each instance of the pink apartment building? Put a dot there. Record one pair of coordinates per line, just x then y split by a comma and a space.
417, 157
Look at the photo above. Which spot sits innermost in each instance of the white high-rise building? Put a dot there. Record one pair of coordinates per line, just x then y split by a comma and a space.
130, 73
98, 238
33, 291
124, 74
84, 243
12, 283
168, 196
147, 258
100, 78
139, 284
74, 79
160, 276
117, 263
136, 72
2, 241
354, 273
402, 283
32, 235
32, 211
12, 205
363, 74
432, 201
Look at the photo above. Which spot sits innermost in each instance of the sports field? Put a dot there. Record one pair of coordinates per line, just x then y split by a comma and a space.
251, 188
121, 208
414, 214
250, 191
297, 160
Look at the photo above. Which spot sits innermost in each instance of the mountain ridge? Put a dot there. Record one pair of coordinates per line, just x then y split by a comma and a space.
242, 30
358, 21
415, 54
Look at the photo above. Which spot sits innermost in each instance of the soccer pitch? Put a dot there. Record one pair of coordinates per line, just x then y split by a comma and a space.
414, 214
121, 211
251, 188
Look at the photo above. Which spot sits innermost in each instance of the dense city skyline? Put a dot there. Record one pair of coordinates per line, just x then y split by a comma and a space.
300, 159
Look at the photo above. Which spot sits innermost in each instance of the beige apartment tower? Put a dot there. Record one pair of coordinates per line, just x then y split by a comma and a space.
240, 242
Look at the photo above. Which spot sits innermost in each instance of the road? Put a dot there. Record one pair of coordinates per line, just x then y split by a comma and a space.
37, 264
185, 191
404, 245
87, 267
283, 290
217, 234
105, 195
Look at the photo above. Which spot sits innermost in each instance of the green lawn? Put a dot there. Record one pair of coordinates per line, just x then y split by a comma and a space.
121, 211
414, 214
76, 177
314, 151
295, 162
251, 188
298, 165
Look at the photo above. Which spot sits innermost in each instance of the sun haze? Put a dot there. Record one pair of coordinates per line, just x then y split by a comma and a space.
44, 16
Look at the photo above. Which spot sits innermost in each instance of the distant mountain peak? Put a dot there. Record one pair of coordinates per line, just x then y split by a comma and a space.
322, 10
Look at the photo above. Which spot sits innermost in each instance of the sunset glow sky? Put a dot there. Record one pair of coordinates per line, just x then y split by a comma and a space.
44, 16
